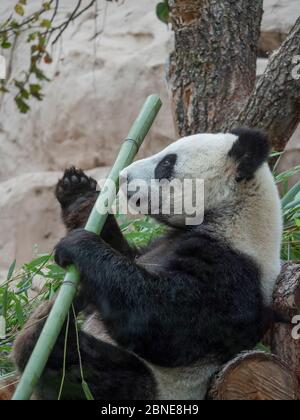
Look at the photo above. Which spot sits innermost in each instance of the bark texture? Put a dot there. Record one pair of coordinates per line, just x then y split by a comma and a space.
212, 71
255, 376
286, 347
287, 304
286, 299
274, 104
213, 68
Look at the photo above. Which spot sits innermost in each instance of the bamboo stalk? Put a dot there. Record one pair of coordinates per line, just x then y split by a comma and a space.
95, 223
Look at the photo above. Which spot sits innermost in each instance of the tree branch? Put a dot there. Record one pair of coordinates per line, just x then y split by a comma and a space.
274, 104
213, 68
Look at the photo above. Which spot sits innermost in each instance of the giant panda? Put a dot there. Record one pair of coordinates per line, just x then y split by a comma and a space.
161, 321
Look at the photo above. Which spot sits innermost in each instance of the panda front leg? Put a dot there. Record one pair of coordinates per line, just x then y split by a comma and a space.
110, 372
143, 312
77, 194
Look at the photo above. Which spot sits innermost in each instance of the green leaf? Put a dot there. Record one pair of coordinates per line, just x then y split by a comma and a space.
162, 12
47, 5
292, 205
37, 262
24, 93
291, 194
285, 176
19, 9
40, 75
35, 91
46, 23
11, 270
5, 45
19, 312
32, 36
262, 347
22, 105
15, 25
3, 89
24, 2
87, 391
5, 302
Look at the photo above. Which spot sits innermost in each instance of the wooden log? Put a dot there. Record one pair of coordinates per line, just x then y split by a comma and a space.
286, 298
7, 386
255, 376
282, 337
286, 347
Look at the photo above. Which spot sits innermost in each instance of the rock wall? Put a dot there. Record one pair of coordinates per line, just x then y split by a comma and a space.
97, 88
278, 18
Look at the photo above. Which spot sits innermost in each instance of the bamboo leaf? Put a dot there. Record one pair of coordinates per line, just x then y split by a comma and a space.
11, 270
87, 391
291, 194
19, 312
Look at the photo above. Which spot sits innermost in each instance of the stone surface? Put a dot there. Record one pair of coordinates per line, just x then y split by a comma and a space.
279, 16
97, 88
30, 216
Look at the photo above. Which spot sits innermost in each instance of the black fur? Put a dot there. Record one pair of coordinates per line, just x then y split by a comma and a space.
196, 300
77, 194
165, 168
250, 151
206, 300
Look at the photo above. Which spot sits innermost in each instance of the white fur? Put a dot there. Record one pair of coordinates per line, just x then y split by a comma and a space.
251, 221
248, 217
186, 383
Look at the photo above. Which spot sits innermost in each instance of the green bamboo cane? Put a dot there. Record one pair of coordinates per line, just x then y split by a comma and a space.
96, 221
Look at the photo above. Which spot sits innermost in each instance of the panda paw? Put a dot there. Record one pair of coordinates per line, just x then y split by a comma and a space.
74, 184
76, 244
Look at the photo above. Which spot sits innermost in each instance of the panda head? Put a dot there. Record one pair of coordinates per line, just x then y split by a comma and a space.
226, 164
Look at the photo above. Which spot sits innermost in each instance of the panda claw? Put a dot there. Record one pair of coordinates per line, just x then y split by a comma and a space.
66, 182
74, 183
75, 180
83, 180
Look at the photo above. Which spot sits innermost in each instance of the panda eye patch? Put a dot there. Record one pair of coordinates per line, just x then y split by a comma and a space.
165, 168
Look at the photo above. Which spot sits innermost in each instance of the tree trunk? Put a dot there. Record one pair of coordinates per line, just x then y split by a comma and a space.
213, 68
287, 304
212, 71
286, 347
255, 376
8, 386
286, 299
275, 102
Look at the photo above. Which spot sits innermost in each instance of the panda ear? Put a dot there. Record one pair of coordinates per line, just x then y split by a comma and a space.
250, 151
